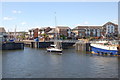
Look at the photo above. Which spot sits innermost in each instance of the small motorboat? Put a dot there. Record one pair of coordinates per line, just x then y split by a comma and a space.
53, 48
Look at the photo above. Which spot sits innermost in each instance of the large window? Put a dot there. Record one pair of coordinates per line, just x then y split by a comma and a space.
110, 29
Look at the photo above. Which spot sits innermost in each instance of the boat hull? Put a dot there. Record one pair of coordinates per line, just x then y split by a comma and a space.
54, 51
101, 51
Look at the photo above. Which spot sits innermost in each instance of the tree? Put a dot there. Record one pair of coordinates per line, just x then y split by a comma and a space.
22, 36
45, 36
63, 37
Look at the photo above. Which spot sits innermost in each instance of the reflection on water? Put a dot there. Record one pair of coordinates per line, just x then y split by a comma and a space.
37, 63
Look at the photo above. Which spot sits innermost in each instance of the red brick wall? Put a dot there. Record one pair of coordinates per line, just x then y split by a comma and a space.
35, 33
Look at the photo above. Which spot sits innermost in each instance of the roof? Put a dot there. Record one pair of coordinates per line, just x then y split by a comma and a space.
63, 27
52, 31
110, 23
2, 29
91, 26
18, 32
83, 27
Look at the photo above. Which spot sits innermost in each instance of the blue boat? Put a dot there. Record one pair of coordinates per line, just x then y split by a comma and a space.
104, 48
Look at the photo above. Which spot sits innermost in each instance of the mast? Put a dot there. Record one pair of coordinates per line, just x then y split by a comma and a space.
15, 32
55, 25
8, 34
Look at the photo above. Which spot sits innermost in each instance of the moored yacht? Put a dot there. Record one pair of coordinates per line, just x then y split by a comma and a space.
53, 48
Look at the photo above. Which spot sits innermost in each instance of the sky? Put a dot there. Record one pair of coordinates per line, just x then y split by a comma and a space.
26, 15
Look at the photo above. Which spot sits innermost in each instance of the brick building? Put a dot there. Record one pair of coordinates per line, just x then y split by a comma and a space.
64, 30
37, 32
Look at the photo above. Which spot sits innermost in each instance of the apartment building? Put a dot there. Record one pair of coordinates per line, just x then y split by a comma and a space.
108, 29
87, 31
63, 30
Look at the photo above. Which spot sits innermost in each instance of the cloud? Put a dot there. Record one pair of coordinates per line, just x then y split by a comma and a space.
23, 23
16, 11
8, 18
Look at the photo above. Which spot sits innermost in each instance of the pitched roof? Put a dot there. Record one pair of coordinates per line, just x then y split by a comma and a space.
52, 31
82, 27
63, 27
2, 29
110, 23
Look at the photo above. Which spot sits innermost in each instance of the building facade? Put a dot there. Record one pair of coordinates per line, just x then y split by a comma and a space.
38, 32
64, 31
52, 33
108, 29
87, 31
17, 35
3, 34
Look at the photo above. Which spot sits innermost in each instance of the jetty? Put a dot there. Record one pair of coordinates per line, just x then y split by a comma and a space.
60, 43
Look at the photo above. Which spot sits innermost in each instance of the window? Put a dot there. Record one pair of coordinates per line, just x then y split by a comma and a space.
80, 34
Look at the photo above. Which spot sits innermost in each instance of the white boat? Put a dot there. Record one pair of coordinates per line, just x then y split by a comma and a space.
103, 47
53, 48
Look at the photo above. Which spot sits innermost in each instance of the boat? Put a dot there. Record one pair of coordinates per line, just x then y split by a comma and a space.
105, 48
53, 48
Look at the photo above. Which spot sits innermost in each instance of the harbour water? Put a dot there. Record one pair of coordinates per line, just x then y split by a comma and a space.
37, 63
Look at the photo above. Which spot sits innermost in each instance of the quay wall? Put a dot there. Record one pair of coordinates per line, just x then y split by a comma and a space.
12, 46
82, 46
40, 44
44, 44
64, 45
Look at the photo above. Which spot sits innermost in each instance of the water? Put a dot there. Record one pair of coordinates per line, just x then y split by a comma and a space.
37, 63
